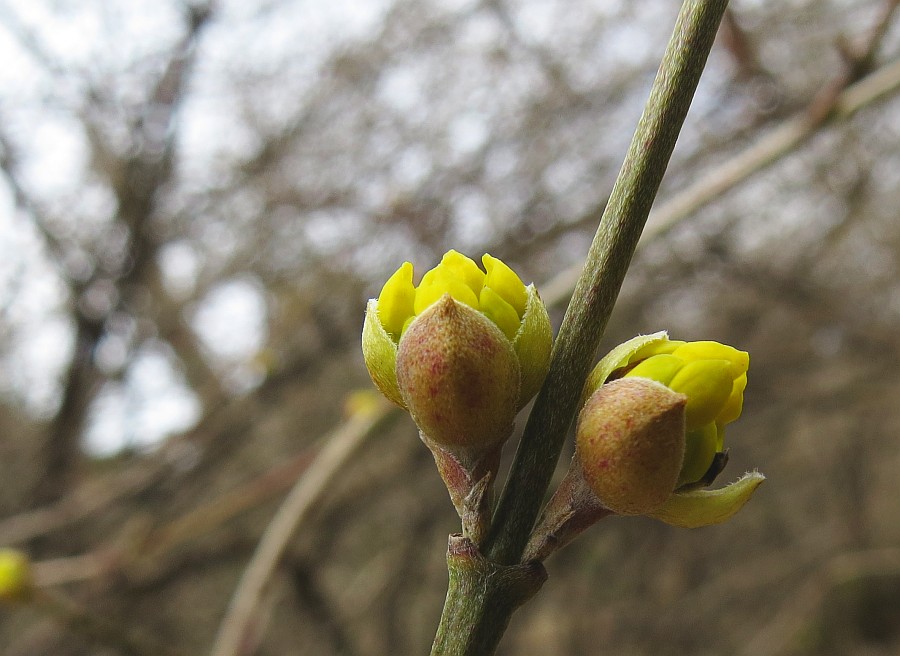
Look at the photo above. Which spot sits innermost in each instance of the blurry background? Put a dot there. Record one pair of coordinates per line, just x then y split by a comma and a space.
196, 200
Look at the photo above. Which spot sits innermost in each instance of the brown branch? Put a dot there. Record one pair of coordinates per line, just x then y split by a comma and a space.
91, 497
340, 445
792, 617
765, 152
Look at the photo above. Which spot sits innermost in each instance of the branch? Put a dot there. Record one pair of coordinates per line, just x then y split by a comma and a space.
602, 276
763, 153
339, 447
485, 591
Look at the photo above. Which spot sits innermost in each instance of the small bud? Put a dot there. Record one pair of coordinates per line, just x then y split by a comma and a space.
497, 293
463, 352
15, 576
630, 442
711, 375
458, 376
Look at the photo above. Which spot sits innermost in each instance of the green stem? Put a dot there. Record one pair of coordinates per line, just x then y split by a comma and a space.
604, 270
480, 601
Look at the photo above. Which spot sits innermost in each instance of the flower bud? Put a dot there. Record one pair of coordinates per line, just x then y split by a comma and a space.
496, 293
15, 576
458, 376
711, 375
710, 378
630, 442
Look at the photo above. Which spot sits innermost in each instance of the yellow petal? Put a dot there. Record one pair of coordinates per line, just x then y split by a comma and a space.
661, 368
458, 266
720, 438
699, 450
441, 284
704, 507
395, 302
707, 384
505, 282
500, 312
708, 350
735, 404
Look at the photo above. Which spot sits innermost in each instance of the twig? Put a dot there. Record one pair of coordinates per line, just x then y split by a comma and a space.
58, 571
339, 446
488, 584
86, 500
97, 628
833, 102
207, 517
604, 271
765, 152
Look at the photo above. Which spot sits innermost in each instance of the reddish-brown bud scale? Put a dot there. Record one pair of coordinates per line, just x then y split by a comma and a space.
630, 441
458, 375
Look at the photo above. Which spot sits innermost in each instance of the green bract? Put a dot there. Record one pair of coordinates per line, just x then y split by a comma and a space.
460, 336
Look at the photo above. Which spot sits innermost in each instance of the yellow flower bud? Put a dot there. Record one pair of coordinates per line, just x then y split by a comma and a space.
712, 377
15, 576
630, 442
496, 293
458, 376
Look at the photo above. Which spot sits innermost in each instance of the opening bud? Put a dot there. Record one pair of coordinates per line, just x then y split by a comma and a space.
496, 293
711, 375
463, 352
